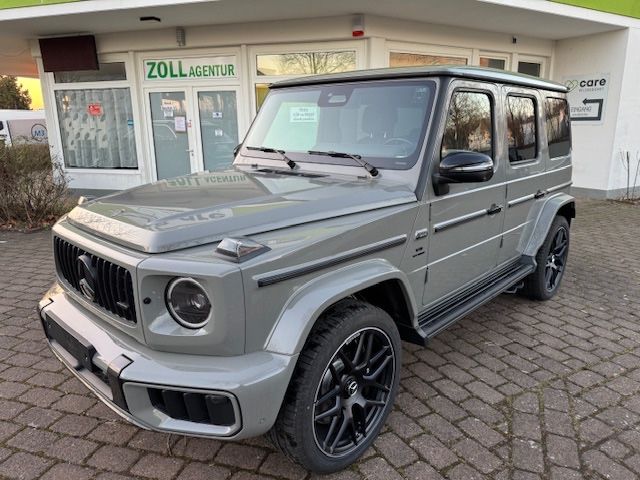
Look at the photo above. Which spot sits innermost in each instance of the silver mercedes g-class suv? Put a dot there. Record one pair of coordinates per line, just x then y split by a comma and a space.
361, 209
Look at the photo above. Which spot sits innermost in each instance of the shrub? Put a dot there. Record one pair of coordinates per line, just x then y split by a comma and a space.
33, 190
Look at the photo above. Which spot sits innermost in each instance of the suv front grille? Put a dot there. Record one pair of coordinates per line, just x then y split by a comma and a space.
113, 283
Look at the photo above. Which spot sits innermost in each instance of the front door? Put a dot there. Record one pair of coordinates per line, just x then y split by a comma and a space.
217, 131
466, 222
193, 129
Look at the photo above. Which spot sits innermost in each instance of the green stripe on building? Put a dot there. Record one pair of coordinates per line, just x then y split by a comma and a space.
628, 8
30, 3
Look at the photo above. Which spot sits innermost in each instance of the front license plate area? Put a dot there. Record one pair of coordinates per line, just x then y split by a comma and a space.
78, 348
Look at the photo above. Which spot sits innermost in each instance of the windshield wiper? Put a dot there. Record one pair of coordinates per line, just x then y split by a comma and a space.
282, 153
373, 171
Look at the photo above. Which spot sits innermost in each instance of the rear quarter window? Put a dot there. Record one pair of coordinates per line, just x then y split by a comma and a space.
522, 128
558, 127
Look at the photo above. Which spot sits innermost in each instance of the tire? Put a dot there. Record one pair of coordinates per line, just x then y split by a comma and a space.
551, 261
324, 388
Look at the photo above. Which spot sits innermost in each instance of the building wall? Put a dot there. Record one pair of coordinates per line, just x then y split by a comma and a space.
593, 144
627, 136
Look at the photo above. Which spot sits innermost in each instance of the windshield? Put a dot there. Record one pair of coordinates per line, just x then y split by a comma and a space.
383, 122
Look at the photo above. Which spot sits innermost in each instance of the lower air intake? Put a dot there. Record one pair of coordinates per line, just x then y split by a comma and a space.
196, 407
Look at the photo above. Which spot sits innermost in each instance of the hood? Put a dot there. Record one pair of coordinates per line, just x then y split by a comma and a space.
206, 207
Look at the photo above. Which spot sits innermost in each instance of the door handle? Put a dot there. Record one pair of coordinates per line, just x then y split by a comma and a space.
539, 194
493, 209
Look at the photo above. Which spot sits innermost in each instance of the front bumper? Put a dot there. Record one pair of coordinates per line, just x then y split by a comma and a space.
122, 372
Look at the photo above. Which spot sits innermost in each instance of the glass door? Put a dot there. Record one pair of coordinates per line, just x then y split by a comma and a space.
171, 130
217, 127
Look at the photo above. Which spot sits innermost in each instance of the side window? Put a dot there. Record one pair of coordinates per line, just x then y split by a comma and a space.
469, 124
522, 128
558, 126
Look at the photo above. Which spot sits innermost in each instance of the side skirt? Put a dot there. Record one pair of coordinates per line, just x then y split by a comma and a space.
435, 319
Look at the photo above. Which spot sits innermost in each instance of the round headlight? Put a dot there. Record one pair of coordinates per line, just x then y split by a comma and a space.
188, 303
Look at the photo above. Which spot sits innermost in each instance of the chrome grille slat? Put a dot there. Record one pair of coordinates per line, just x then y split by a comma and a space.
114, 283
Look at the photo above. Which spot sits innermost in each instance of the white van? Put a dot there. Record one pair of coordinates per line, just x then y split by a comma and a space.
27, 126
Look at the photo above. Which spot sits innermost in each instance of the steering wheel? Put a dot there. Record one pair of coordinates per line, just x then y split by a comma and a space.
390, 141
407, 145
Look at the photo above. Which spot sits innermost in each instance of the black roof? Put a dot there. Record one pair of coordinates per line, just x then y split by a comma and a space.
475, 73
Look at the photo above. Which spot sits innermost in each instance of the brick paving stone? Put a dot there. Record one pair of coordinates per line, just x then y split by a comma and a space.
65, 471
398, 453
74, 425
477, 429
200, 471
279, 466
23, 466
563, 451
464, 472
526, 426
433, 451
238, 455
379, 469
117, 433
441, 428
527, 455
421, 471
71, 449
115, 459
475, 454
156, 466
32, 440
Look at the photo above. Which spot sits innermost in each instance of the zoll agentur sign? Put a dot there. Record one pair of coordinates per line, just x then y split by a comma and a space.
190, 68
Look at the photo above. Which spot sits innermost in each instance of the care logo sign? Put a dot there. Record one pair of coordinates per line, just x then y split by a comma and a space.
588, 97
190, 68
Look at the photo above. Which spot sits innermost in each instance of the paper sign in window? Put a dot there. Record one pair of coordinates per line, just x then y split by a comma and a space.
303, 115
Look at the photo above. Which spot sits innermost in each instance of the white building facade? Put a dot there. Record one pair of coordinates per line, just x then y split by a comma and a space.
176, 93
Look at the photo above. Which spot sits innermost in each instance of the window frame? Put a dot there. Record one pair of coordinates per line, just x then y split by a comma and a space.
492, 106
543, 61
568, 111
536, 122
130, 83
428, 49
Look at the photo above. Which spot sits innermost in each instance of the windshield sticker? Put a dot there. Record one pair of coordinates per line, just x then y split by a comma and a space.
303, 114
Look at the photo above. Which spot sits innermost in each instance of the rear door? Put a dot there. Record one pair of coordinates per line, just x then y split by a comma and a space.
466, 223
525, 166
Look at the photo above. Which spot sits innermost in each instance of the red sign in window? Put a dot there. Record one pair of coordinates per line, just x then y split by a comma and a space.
95, 109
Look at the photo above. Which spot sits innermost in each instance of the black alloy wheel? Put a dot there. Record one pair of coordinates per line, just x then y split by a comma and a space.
342, 389
351, 398
556, 260
551, 262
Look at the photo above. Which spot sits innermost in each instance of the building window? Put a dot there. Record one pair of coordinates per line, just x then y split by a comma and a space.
499, 63
305, 63
469, 124
558, 127
403, 59
262, 89
530, 68
279, 66
107, 72
96, 128
522, 131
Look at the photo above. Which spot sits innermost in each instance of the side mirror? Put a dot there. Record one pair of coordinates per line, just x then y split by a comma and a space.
462, 167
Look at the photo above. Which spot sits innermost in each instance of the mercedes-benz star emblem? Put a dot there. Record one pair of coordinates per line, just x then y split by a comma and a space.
352, 388
87, 276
